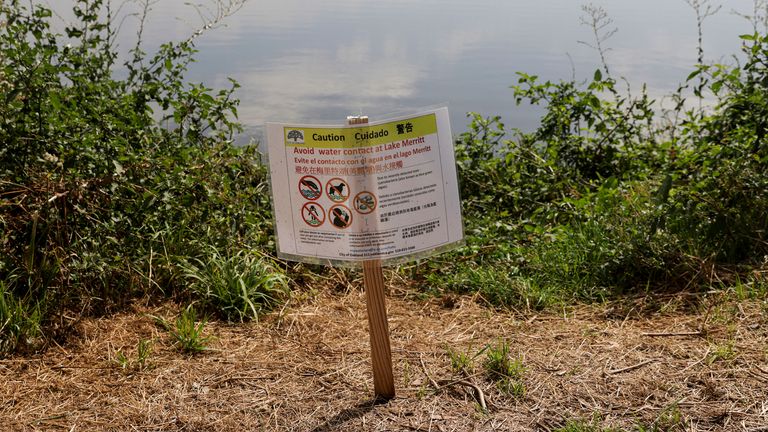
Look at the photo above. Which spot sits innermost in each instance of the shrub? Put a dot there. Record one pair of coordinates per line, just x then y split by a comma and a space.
601, 199
104, 181
719, 198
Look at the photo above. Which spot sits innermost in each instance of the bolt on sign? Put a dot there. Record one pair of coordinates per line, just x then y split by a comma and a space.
383, 190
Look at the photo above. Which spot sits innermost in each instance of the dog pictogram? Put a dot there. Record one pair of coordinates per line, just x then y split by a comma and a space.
337, 190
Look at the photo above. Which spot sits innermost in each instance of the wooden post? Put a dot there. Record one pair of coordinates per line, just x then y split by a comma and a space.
381, 354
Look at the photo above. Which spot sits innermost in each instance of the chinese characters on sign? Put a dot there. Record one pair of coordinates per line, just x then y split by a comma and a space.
381, 190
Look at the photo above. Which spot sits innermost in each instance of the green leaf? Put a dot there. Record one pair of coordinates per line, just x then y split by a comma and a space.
43, 13
694, 74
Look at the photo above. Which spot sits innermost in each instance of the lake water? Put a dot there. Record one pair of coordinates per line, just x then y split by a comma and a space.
318, 61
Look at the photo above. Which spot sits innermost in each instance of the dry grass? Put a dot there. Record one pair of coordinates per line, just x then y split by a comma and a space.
307, 368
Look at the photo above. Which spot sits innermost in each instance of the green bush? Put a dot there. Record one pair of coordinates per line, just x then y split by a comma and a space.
188, 331
499, 285
108, 184
119, 180
602, 199
719, 198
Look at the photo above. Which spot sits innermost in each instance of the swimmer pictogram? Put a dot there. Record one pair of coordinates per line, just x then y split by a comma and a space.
313, 214
341, 216
310, 187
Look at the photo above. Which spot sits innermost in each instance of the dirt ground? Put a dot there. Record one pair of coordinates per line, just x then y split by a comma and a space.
679, 363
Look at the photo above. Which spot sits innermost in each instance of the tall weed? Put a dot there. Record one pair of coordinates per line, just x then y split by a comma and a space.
20, 322
238, 286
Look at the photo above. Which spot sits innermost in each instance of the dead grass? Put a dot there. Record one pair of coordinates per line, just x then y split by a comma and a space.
307, 368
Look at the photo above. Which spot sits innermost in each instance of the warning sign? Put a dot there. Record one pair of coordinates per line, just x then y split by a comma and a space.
389, 188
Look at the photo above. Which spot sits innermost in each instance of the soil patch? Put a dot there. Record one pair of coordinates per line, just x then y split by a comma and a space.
307, 368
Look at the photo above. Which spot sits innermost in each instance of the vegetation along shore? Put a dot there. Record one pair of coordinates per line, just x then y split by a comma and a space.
618, 220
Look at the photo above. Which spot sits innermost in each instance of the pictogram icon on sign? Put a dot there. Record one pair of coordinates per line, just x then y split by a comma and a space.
313, 214
365, 202
337, 190
341, 216
310, 187
296, 135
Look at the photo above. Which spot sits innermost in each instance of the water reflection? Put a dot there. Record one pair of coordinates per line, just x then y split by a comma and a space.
312, 61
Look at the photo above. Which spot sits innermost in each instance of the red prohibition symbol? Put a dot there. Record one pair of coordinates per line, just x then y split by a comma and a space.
365, 202
313, 214
310, 187
337, 190
340, 216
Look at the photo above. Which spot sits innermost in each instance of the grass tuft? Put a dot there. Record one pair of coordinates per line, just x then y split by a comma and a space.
188, 331
506, 371
239, 286
20, 321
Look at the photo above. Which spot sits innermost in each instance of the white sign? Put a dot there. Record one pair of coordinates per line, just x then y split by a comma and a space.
381, 190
